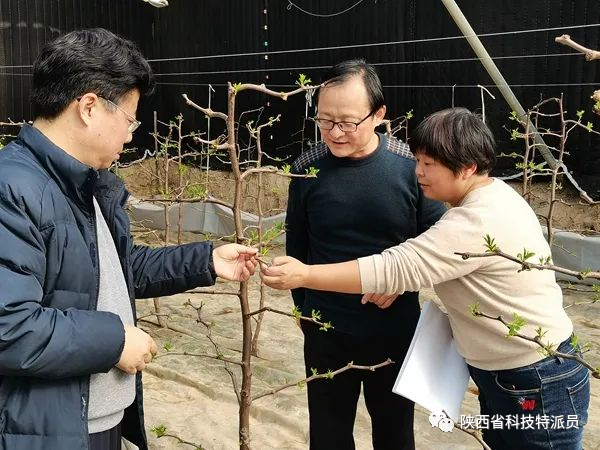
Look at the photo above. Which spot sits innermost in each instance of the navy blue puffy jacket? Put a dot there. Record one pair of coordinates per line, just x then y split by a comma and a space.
51, 336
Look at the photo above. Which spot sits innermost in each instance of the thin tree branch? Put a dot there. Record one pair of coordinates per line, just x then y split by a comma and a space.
198, 355
547, 347
589, 54
283, 313
214, 143
269, 169
473, 433
211, 291
206, 111
179, 440
528, 266
283, 95
349, 366
208, 326
11, 123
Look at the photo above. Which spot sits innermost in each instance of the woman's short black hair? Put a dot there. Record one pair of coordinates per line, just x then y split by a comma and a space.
457, 138
93, 60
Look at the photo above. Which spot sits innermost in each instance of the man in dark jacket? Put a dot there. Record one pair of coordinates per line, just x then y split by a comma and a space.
70, 354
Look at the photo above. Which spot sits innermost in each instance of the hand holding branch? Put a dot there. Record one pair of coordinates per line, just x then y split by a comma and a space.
235, 262
285, 272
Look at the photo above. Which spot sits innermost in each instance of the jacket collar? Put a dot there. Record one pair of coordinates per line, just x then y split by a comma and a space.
74, 178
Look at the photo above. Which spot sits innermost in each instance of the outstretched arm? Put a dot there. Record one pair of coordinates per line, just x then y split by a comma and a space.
289, 273
170, 270
420, 262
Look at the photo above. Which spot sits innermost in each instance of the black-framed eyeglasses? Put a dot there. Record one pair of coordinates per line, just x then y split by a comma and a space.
134, 124
344, 126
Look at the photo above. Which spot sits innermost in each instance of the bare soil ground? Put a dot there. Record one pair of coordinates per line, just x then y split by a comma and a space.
142, 183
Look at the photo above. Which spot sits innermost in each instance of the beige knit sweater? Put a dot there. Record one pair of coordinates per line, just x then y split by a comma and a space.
494, 282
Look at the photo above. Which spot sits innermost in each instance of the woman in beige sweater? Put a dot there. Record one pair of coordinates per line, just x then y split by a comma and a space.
533, 401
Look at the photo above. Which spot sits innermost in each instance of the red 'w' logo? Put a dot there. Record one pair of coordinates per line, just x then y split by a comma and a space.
527, 405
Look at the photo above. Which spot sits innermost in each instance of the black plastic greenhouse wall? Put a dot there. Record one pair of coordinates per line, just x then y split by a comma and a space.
196, 47
25, 25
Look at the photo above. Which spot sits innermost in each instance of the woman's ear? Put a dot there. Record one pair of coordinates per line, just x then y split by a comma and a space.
468, 171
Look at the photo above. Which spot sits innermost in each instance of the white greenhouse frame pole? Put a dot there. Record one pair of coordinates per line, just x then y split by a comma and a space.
496, 76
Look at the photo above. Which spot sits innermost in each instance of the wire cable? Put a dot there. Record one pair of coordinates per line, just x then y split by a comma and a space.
341, 47
379, 64
406, 86
391, 63
28, 66
291, 4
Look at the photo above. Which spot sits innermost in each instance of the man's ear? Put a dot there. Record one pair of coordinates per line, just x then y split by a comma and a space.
379, 115
86, 106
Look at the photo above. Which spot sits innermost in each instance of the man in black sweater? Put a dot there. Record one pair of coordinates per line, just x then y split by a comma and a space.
364, 199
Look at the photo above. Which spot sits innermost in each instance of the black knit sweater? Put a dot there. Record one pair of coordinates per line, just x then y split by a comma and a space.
355, 208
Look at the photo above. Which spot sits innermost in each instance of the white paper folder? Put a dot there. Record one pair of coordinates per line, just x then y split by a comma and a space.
433, 374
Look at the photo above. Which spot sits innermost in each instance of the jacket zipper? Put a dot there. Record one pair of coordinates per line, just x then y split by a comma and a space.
122, 248
86, 395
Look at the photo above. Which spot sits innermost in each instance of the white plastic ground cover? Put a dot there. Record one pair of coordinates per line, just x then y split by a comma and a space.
570, 250
576, 252
207, 218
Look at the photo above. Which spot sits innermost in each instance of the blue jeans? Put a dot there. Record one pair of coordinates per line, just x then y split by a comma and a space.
540, 406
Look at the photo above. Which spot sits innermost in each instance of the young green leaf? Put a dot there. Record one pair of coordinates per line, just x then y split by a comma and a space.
490, 244
159, 430
475, 309
540, 333
515, 326
525, 255
326, 326
316, 315
296, 312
